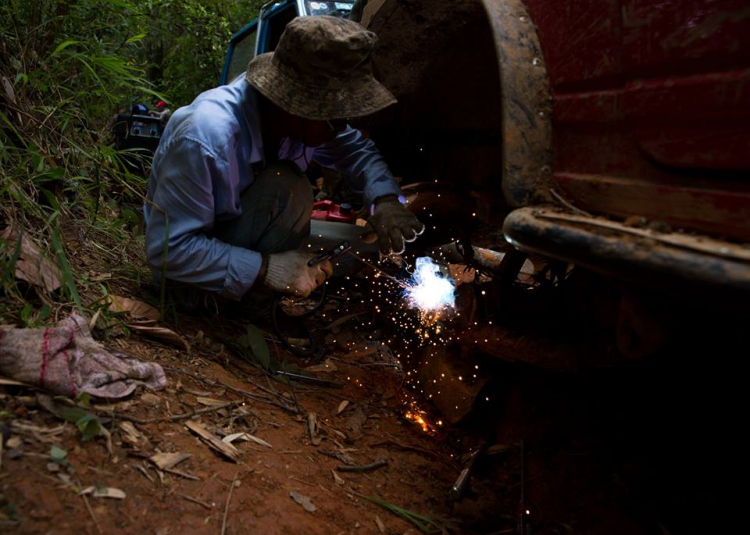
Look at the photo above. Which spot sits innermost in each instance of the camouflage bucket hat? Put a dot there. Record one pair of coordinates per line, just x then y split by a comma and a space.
321, 70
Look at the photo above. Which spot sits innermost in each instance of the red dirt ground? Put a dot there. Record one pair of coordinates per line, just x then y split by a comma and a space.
419, 473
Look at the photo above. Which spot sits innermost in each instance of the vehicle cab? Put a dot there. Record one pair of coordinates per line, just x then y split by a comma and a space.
262, 35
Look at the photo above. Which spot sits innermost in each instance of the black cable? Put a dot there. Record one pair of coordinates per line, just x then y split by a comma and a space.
315, 350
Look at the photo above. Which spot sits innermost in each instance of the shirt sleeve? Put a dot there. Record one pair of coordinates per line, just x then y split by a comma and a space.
181, 215
358, 158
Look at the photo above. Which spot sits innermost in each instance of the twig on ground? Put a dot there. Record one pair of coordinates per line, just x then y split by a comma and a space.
144, 472
339, 456
290, 387
252, 382
302, 481
91, 512
250, 395
181, 474
226, 507
407, 447
315, 390
260, 398
172, 418
363, 468
442, 458
196, 500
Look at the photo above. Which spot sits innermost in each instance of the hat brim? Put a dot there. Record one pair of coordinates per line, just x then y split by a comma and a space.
360, 98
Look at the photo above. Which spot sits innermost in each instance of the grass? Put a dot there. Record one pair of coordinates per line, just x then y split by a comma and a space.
423, 523
62, 185
65, 70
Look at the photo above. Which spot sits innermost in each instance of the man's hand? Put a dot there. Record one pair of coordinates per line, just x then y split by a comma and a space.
394, 224
289, 273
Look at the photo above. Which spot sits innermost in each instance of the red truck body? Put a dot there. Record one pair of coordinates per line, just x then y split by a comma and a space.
610, 134
651, 108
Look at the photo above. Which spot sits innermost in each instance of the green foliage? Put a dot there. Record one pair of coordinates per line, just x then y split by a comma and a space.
184, 41
58, 455
32, 318
425, 524
88, 424
66, 68
255, 342
83, 399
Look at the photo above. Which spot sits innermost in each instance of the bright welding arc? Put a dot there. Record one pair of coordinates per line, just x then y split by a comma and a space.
428, 290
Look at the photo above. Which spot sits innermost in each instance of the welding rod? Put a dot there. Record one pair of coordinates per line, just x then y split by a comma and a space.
380, 271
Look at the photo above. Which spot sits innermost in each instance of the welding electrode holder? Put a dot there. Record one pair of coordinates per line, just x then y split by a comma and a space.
315, 350
330, 254
463, 482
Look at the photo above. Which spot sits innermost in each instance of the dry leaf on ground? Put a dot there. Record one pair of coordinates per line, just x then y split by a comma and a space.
196, 393
120, 406
151, 399
245, 436
31, 265
342, 406
303, 500
326, 367
104, 492
210, 402
162, 334
337, 478
9, 89
381, 525
313, 428
136, 309
355, 422
229, 451
165, 461
131, 434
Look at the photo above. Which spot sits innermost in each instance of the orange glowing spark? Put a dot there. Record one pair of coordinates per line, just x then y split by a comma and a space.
417, 419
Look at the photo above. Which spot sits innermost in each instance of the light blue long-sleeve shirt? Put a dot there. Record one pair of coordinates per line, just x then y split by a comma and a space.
208, 155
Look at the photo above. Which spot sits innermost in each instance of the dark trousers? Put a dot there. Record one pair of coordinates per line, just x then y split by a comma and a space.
275, 218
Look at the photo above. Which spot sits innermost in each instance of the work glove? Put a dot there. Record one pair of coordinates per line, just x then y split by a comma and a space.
289, 273
394, 225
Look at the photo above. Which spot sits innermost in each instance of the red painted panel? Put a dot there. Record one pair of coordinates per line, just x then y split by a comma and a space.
643, 91
684, 37
581, 41
700, 121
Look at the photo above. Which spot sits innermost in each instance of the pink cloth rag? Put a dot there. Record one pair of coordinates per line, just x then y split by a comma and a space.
66, 360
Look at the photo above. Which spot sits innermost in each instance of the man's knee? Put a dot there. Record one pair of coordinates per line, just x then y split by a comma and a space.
288, 180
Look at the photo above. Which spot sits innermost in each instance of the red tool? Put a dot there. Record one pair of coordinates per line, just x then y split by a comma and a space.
330, 211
